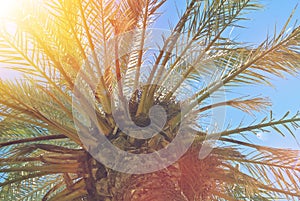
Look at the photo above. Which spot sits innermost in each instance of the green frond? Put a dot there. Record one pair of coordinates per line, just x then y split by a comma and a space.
247, 69
215, 17
29, 189
246, 105
287, 122
35, 103
275, 170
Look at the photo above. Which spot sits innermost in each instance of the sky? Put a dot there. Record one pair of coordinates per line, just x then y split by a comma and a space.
285, 95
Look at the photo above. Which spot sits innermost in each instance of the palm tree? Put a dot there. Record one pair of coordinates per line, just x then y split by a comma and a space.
53, 121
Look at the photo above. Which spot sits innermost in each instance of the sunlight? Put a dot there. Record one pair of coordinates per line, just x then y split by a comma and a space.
9, 15
8, 7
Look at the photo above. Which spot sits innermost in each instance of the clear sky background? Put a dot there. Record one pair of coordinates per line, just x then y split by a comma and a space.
286, 94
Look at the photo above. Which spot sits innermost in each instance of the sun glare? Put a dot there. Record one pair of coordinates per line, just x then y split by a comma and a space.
7, 7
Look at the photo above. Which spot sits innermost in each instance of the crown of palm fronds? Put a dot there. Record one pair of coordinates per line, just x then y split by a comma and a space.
43, 157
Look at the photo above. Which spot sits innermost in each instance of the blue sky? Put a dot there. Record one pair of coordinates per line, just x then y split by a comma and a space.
285, 95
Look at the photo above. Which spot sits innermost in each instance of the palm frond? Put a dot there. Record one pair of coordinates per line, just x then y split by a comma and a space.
287, 122
246, 105
275, 169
